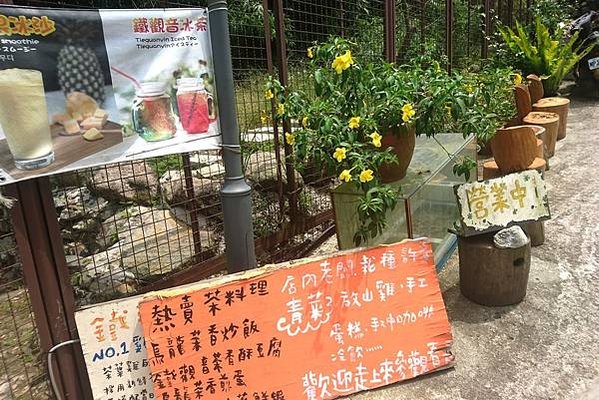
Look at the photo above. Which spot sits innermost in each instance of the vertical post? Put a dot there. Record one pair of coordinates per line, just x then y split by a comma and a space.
342, 17
292, 189
486, 28
422, 24
469, 20
236, 194
271, 71
390, 30
449, 33
193, 214
510, 13
47, 277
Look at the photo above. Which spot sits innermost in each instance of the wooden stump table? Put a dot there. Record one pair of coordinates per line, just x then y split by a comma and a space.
492, 276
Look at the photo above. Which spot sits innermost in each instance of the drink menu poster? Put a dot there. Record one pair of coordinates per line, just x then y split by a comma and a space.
80, 88
314, 329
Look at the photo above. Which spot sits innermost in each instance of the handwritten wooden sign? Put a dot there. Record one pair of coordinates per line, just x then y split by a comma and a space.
497, 203
314, 329
114, 350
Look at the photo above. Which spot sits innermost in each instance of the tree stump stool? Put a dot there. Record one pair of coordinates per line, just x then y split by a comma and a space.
549, 121
540, 149
514, 148
536, 232
491, 276
541, 133
491, 170
557, 105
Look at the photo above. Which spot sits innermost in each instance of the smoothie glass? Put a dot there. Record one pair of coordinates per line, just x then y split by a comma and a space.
152, 114
24, 118
194, 104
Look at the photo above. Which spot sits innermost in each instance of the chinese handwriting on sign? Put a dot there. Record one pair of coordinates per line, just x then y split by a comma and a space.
318, 329
498, 202
25, 26
169, 25
115, 351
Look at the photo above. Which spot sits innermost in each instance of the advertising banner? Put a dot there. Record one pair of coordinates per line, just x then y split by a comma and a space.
80, 88
313, 329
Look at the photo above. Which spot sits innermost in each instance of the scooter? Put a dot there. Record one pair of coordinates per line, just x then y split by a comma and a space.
587, 71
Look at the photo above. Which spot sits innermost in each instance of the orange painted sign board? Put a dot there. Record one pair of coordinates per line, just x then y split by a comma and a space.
311, 329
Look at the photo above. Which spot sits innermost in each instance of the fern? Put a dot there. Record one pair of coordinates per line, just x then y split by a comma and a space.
544, 55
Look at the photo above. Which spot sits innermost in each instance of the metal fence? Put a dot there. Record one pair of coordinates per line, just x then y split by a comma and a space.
127, 228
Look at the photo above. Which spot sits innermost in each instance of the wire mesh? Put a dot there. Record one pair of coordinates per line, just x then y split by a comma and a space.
128, 225
22, 370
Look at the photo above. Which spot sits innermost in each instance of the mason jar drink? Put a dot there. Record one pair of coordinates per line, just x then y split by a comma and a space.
194, 104
152, 114
24, 118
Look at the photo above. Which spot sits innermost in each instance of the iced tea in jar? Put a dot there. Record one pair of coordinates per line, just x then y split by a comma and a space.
152, 113
194, 104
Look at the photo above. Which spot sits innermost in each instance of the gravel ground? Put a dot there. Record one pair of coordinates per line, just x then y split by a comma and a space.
546, 347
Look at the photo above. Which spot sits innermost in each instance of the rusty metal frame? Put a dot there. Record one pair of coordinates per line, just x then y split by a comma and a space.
449, 33
38, 237
281, 48
390, 40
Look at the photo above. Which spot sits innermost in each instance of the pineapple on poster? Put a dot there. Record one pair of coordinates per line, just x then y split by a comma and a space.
82, 88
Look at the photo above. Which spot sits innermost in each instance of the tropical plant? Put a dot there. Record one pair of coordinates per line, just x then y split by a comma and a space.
484, 101
550, 57
340, 123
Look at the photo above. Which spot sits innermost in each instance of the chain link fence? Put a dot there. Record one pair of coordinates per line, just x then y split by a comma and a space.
133, 226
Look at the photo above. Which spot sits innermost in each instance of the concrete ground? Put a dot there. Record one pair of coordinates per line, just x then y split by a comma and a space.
547, 346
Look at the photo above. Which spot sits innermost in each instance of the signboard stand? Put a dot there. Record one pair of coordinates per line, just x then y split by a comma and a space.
235, 193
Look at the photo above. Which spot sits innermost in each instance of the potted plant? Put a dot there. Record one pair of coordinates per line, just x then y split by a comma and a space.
484, 102
551, 57
359, 120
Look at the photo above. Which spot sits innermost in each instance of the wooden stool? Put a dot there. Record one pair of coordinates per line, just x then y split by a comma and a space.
549, 121
514, 149
540, 149
558, 105
536, 232
492, 276
541, 134
491, 170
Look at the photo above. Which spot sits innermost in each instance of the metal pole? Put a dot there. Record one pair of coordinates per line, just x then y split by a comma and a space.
449, 33
236, 194
486, 28
390, 30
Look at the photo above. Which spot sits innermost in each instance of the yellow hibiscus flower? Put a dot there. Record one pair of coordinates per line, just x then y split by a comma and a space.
340, 154
289, 138
469, 89
268, 94
264, 117
354, 122
376, 139
517, 79
281, 109
310, 52
407, 112
342, 62
345, 176
305, 122
366, 176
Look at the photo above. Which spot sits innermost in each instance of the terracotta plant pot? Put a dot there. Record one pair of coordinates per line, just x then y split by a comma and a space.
402, 143
514, 149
